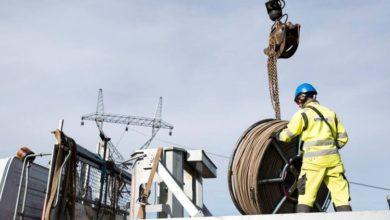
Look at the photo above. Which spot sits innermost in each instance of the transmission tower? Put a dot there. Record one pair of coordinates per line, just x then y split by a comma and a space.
157, 122
100, 116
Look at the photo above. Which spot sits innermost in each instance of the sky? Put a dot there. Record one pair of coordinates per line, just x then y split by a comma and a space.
205, 58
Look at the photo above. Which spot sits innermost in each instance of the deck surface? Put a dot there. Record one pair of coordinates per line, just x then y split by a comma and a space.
365, 215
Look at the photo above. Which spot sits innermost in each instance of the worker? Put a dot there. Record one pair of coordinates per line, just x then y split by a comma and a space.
322, 135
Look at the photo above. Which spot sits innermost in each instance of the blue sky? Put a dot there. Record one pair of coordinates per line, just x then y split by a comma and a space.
205, 58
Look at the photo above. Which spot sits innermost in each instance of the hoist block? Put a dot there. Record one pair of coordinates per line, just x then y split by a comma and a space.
283, 40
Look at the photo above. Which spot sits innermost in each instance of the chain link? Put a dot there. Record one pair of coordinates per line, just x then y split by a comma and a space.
273, 83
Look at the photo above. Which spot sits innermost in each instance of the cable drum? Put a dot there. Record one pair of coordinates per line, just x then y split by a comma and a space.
263, 173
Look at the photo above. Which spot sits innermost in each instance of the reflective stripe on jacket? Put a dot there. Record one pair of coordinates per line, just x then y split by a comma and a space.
319, 144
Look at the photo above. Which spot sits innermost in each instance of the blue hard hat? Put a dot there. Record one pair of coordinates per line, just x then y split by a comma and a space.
305, 88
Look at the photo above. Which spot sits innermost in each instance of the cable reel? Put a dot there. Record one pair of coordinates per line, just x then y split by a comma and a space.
268, 184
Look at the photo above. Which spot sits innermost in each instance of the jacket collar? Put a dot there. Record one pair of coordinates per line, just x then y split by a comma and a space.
311, 102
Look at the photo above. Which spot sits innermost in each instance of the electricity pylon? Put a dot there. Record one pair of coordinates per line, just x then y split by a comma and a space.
100, 116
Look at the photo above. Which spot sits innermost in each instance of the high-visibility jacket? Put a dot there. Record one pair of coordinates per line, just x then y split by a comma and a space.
320, 144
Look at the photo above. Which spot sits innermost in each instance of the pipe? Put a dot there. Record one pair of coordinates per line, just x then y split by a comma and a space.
25, 162
20, 186
25, 189
263, 173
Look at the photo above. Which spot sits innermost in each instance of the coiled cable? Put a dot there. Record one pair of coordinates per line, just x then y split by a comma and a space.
263, 172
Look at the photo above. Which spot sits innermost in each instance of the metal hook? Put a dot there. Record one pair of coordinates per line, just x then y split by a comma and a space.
284, 15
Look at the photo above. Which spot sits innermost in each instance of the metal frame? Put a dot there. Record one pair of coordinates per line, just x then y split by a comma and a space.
179, 176
90, 159
100, 117
26, 163
94, 164
172, 185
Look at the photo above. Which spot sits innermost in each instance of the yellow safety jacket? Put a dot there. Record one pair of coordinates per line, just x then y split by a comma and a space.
319, 144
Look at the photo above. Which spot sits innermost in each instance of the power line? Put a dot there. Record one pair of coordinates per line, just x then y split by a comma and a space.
226, 157
180, 145
369, 186
120, 138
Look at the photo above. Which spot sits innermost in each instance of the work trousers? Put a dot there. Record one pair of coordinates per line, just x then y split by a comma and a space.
310, 180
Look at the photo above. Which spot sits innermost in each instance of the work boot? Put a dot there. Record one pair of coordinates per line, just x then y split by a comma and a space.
343, 208
301, 208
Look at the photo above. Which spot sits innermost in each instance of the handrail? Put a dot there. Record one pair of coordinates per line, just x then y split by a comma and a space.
25, 162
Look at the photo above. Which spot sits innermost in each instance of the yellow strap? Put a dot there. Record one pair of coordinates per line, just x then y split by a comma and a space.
55, 178
145, 194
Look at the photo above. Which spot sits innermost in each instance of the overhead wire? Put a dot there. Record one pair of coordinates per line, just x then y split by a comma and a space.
179, 145
120, 138
370, 186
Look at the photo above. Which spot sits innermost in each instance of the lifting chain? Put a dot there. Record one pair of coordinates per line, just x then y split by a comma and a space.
282, 43
273, 84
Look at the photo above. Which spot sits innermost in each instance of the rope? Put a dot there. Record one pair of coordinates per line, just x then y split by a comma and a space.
65, 207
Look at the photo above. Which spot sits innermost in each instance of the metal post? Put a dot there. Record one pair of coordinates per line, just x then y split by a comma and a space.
20, 188
177, 190
84, 179
188, 181
88, 192
61, 125
180, 177
174, 162
198, 191
103, 178
25, 190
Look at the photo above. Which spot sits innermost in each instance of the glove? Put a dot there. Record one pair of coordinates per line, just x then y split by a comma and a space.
275, 135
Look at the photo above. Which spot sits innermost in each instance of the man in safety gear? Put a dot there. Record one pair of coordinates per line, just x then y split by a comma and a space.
322, 135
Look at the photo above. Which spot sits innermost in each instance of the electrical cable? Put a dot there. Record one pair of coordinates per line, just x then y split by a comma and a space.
263, 172
369, 186
179, 145
120, 138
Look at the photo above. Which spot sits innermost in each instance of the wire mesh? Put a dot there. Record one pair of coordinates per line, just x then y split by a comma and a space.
104, 188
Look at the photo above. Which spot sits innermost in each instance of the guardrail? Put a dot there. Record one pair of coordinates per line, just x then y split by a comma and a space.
79, 178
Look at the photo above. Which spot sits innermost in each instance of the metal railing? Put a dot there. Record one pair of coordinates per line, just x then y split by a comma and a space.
98, 183
116, 188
